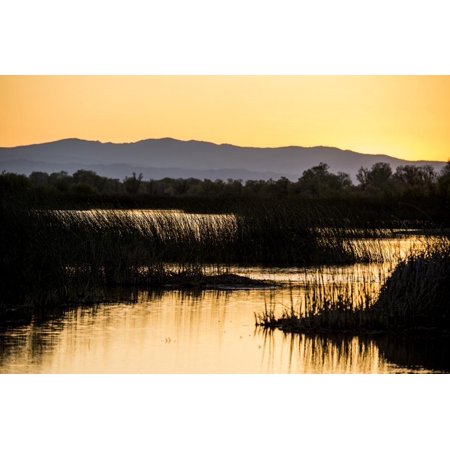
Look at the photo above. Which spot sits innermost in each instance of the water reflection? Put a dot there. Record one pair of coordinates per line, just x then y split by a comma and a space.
351, 354
422, 353
198, 332
318, 354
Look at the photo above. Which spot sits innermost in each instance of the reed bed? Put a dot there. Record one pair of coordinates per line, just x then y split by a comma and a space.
49, 255
413, 297
417, 294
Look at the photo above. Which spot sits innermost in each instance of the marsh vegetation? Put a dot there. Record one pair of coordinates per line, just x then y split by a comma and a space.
411, 297
53, 256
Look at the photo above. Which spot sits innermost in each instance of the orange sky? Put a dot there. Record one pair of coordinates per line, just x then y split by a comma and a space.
403, 116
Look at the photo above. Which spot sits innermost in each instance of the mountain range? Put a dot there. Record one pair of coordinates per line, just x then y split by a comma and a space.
167, 157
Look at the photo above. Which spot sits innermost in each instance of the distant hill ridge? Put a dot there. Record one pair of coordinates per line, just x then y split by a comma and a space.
168, 157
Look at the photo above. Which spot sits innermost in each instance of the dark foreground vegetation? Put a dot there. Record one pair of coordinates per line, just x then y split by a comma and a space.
48, 256
381, 196
414, 299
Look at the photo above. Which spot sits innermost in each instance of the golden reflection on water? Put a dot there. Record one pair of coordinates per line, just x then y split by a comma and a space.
174, 332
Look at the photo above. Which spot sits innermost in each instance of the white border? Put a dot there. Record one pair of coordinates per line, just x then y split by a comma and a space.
224, 37
224, 412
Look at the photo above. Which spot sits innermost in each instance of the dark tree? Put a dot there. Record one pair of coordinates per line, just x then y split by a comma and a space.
133, 183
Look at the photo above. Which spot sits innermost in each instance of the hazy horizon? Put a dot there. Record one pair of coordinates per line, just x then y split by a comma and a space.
230, 144
169, 157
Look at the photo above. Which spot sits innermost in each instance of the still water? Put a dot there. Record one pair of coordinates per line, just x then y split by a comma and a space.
199, 332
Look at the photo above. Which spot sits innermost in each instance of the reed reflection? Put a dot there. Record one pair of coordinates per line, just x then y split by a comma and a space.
300, 353
198, 332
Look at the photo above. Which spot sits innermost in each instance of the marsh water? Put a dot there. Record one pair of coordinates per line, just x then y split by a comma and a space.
204, 332
213, 331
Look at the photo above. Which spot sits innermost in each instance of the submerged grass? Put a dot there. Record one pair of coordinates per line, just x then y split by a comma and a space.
413, 298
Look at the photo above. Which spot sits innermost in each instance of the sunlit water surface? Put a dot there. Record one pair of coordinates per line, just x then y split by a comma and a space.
207, 332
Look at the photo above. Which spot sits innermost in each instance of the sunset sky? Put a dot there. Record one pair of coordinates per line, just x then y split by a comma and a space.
402, 116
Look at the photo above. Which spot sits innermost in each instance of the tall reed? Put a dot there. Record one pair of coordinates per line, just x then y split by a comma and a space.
414, 297
68, 253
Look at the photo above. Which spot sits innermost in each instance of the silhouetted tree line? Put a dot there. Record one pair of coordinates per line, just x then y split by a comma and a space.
379, 182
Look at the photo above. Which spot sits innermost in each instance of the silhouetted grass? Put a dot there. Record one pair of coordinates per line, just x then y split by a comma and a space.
54, 256
417, 294
285, 236
49, 255
414, 298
